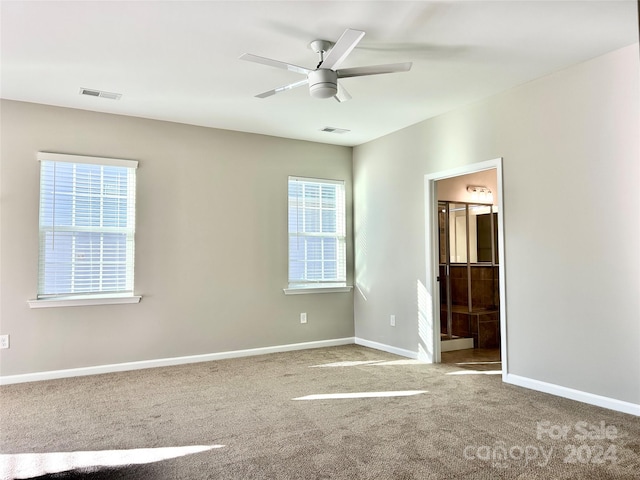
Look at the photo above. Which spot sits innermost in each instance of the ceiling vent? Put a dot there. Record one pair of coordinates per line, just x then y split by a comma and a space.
100, 93
334, 130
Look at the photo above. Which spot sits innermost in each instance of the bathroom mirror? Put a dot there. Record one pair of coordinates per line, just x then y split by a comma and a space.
472, 233
458, 233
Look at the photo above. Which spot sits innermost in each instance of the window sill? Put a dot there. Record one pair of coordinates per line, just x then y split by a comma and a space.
306, 289
79, 301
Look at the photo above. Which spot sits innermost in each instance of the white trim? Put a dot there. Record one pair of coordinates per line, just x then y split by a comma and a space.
431, 254
456, 344
577, 395
79, 301
386, 348
166, 362
431, 257
63, 157
298, 232
316, 180
317, 289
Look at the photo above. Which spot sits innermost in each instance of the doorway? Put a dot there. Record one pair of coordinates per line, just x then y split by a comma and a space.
468, 278
465, 259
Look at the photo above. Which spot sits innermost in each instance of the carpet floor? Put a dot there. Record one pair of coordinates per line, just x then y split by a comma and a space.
346, 412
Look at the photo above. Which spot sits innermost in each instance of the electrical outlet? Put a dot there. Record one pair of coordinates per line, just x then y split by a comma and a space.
392, 320
4, 341
303, 318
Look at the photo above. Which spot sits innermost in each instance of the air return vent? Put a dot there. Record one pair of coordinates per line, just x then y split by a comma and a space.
334, 130
99, 93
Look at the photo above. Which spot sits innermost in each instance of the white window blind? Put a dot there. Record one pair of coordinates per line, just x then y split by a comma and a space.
317, 232
87, 226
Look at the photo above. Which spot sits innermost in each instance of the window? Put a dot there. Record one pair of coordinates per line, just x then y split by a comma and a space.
87, 227
317, 238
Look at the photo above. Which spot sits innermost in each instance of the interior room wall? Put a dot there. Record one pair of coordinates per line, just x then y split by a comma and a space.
455, 188
211, 242
570, 149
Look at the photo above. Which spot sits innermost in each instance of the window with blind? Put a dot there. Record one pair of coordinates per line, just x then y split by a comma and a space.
87, 226
317, 233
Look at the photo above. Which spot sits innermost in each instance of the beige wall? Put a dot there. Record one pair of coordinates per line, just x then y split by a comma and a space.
571, 170
211, 242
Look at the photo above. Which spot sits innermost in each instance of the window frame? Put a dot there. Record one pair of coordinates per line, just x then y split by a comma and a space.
331, 285
102, 297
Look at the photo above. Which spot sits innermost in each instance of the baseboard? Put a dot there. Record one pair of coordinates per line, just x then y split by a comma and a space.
580, 396
456, 344
167, 362
386, 348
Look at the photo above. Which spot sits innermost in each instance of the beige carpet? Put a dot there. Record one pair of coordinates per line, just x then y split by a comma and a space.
265, 417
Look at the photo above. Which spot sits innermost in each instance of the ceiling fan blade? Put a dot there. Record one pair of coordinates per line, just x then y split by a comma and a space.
283, 88
274, 63
374, 70
342, 48
342, 95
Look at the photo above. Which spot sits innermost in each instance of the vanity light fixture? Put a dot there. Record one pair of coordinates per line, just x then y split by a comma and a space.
480, 193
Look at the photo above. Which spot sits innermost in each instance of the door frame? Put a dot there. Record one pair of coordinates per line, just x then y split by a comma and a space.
432, 253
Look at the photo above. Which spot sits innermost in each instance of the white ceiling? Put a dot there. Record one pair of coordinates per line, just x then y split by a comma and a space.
178, 61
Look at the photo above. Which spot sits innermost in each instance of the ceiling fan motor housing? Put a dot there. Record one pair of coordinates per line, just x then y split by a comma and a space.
323, 83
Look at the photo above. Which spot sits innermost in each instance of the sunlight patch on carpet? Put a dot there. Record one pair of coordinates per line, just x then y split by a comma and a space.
405, 361
476, 372
339, 396
347, 363
27, 465
375, 363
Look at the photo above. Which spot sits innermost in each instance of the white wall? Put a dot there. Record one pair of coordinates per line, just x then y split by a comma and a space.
571, 172
211, 242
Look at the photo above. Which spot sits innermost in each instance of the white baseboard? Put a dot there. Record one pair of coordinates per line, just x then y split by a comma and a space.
166, 362
456, 344
578, 395
386, 348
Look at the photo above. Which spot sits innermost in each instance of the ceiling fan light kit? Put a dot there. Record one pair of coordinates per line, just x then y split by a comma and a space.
323, 83
323, 80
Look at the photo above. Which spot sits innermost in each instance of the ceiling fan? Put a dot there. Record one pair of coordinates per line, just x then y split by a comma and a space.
323, 80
